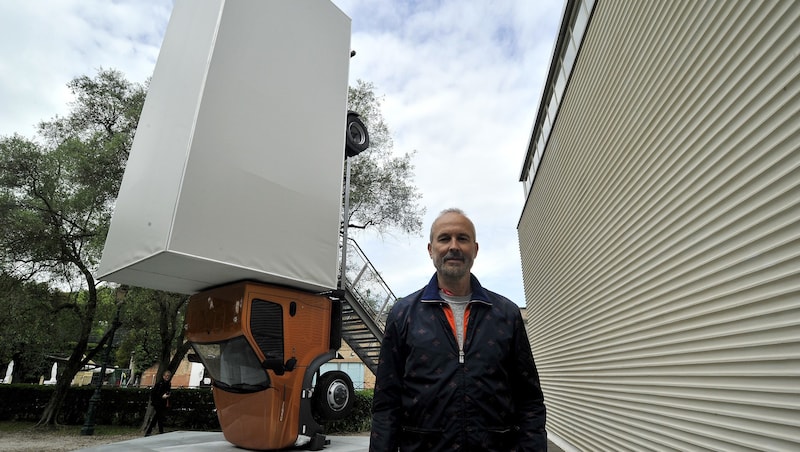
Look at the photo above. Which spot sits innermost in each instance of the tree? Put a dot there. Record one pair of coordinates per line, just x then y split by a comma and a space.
57, 195
140, 344
154, 321
382, 194
33, 331
56, 199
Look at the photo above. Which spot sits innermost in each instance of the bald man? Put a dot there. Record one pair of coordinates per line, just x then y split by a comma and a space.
456, 371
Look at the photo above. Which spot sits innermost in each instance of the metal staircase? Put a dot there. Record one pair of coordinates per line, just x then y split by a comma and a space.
368, 300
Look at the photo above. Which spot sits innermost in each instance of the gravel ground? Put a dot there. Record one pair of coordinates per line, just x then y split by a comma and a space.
30, 440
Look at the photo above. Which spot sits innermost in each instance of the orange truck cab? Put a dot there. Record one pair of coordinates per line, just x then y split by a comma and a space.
263, 346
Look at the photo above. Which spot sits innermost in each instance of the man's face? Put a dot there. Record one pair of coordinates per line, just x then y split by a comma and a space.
453, 247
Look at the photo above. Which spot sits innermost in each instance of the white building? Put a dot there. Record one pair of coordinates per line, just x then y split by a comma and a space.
660, 238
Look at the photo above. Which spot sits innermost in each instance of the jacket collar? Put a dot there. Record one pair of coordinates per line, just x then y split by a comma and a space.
431, 291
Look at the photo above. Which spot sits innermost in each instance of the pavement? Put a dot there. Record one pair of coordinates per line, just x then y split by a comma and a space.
214, 441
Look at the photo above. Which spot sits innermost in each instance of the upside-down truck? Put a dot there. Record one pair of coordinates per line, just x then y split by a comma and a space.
263, 346
233, 193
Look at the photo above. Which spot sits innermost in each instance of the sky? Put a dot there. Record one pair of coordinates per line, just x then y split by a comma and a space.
461, 82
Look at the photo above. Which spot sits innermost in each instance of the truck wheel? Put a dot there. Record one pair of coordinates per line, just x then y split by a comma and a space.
334, 396
356, 135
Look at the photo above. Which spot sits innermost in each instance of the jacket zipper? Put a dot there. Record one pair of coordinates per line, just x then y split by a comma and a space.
459, 347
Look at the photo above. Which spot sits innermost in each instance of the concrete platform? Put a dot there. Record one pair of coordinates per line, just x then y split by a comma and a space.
213, 441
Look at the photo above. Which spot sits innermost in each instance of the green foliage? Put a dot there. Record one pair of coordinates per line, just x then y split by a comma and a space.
33, 329
359, 421
153, 327
57, 195
382, 194
193, 409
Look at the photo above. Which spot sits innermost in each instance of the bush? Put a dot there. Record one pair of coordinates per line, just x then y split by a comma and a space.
23, 402
191, 409
359, 421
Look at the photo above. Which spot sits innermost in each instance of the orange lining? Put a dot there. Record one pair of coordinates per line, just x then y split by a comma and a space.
448, 312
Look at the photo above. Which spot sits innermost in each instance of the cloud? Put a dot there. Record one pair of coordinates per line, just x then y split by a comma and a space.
45, 44
461, 81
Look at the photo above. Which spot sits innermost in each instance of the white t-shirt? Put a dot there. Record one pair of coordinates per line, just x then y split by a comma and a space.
459, 307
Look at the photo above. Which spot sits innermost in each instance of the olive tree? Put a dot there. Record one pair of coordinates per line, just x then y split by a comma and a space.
56, 198
382, 192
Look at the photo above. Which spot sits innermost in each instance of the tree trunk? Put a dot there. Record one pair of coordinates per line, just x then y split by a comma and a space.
63, 383
168, 329
75, 362
179, 354
50, 414
148, 417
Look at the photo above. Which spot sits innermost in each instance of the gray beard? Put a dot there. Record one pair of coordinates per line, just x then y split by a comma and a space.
453, 274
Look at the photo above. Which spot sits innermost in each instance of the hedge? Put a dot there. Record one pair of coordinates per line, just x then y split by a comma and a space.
192, 409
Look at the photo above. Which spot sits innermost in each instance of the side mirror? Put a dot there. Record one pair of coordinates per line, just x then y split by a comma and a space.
277, 366
274, 364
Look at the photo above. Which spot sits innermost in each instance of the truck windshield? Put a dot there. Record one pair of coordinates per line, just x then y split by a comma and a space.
233, 365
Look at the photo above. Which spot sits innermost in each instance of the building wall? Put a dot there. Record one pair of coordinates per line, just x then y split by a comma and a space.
354, 367
660, 239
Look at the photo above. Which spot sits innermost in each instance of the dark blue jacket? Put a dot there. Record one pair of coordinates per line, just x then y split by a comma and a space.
426, 400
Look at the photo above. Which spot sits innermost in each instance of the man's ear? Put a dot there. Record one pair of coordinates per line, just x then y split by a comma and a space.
429, 251
476, 248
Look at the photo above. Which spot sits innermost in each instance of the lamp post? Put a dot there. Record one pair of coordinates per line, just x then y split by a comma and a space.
94, 401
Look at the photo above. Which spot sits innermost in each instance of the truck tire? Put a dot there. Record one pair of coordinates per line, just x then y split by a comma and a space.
334, 396
356, 135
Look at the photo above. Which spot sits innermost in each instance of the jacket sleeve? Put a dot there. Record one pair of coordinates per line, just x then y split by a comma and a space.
386, 403
530, 407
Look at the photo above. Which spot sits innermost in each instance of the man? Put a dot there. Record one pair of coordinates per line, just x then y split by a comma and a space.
456, 370
159, 398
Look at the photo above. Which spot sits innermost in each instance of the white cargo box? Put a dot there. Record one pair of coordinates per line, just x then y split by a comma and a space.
236, 168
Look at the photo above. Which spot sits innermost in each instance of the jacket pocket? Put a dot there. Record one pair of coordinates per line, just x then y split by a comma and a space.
420, 439
501, 439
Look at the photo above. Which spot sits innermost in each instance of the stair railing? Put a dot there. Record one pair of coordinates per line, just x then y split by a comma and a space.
368, 286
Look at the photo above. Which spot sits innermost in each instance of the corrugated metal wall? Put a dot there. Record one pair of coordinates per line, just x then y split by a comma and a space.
661, 237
